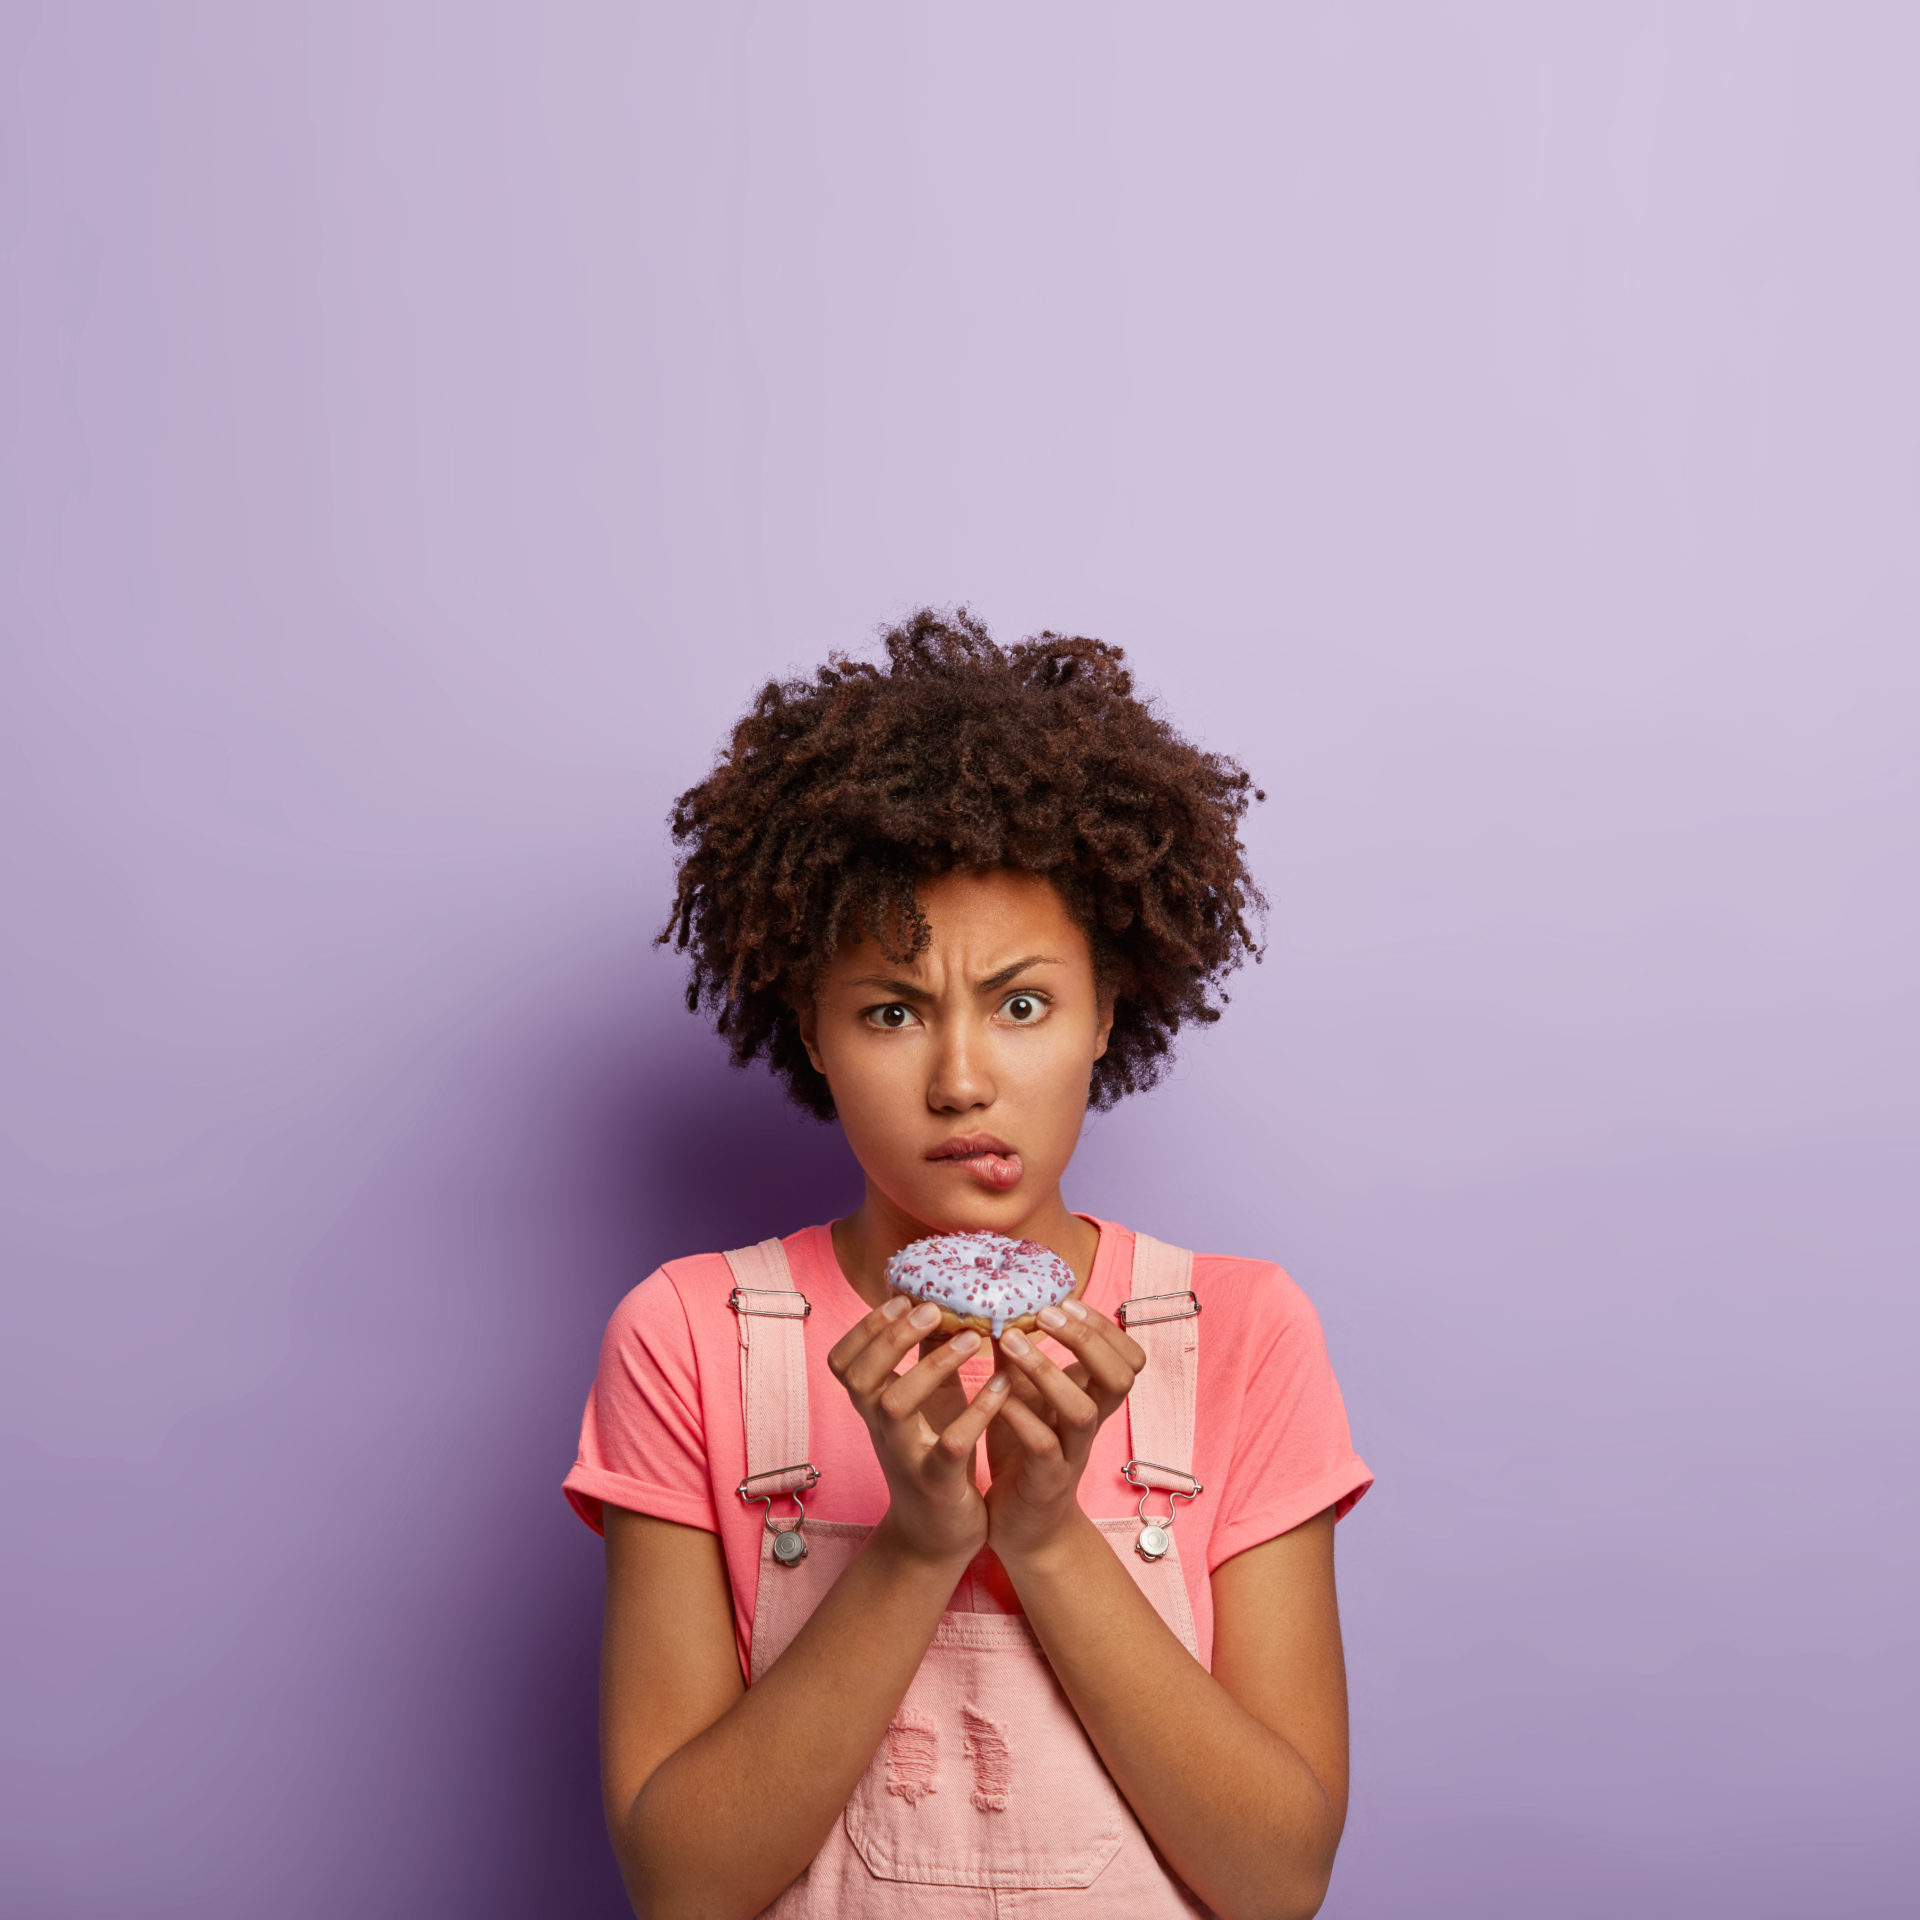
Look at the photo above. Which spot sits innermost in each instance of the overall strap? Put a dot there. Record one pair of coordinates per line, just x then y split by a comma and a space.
772, 1316
1162, 1313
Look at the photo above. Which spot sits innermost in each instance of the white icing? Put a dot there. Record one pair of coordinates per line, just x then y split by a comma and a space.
981, 1276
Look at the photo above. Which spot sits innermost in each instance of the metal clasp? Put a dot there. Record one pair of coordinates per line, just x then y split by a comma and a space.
1124, 1312
789, 1542
739, 1294
1156, 1536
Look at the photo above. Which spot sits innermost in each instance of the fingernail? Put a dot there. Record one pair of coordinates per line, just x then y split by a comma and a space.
1013, 1341
1075, 1308
998, 1384
965, 1342
925, 1315
895, 1307
1052, 1317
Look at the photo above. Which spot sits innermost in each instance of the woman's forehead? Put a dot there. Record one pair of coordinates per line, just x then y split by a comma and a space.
980, 924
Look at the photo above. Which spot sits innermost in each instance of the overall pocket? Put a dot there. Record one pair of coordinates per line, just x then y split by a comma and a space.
986, 1777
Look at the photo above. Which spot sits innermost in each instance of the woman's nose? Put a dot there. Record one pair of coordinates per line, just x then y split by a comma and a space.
961, 1078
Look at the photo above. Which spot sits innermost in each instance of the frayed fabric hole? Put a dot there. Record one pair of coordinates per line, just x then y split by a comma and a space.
913, 1753
986, 1747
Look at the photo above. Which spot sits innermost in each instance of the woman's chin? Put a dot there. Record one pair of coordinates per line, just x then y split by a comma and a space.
955, 1206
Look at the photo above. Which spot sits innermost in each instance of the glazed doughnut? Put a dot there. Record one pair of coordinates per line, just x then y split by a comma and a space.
981, 1280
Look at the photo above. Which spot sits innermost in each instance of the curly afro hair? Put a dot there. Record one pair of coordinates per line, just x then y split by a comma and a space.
837, 793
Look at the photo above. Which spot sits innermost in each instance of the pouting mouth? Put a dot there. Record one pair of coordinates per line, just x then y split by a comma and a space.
987, 1161
970, 1146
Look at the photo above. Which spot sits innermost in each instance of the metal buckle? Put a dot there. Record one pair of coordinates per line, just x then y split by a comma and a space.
789, 1542
1124, 1312
770, 1293
1172, 1493
1156, 1536
773, 1473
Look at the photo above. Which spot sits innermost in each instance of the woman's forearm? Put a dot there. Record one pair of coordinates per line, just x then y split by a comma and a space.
1232, 1805
733, 1817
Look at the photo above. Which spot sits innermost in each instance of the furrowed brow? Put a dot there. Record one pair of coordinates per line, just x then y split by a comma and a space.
1005, 974
899, 989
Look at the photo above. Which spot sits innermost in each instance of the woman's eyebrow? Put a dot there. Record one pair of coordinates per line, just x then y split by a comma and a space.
900, 989
906, 990
1005, 974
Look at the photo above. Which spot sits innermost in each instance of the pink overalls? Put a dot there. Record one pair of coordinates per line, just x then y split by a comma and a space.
986, 1798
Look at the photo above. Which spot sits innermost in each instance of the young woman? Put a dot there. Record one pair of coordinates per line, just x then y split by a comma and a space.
907, 1625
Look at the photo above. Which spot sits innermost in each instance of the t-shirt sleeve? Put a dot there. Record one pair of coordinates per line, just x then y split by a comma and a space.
1293, 1456
643, 1444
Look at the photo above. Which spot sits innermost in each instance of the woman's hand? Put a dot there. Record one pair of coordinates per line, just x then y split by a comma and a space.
935, 1510
1039, 1444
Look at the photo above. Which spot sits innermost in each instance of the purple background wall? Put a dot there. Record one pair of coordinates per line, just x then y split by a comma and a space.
422, 429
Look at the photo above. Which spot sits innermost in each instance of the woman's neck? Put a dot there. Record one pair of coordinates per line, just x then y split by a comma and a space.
877, 1229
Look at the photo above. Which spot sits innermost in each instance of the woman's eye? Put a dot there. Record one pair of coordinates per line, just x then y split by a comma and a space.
893, 1015
1023, 1009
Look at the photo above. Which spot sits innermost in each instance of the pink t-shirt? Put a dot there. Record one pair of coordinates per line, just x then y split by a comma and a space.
664, 1433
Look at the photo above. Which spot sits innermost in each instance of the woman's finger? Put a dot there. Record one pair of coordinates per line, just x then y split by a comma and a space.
867, 1372
1129, 1349
1023, 1390
959, 1440
854, 1341
1111, 1358
905, 1392
1072, 1405
1030, 1430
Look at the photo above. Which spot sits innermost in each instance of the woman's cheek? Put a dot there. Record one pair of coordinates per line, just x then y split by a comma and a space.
1058, 1074
880, 1101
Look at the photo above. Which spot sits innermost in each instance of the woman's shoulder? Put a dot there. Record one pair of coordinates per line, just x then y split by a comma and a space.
1251, 1294
1244, 1276
686, 1292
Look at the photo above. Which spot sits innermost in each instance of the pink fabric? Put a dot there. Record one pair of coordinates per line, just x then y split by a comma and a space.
985, 1794
664, 1433
985, 1797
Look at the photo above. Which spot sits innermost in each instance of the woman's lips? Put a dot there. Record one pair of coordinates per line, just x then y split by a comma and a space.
992, 1165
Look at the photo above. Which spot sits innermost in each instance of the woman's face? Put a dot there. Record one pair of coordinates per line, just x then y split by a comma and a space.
961, 1075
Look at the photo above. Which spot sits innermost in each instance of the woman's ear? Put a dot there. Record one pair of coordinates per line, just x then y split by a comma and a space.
808, 1017
1105, 1009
